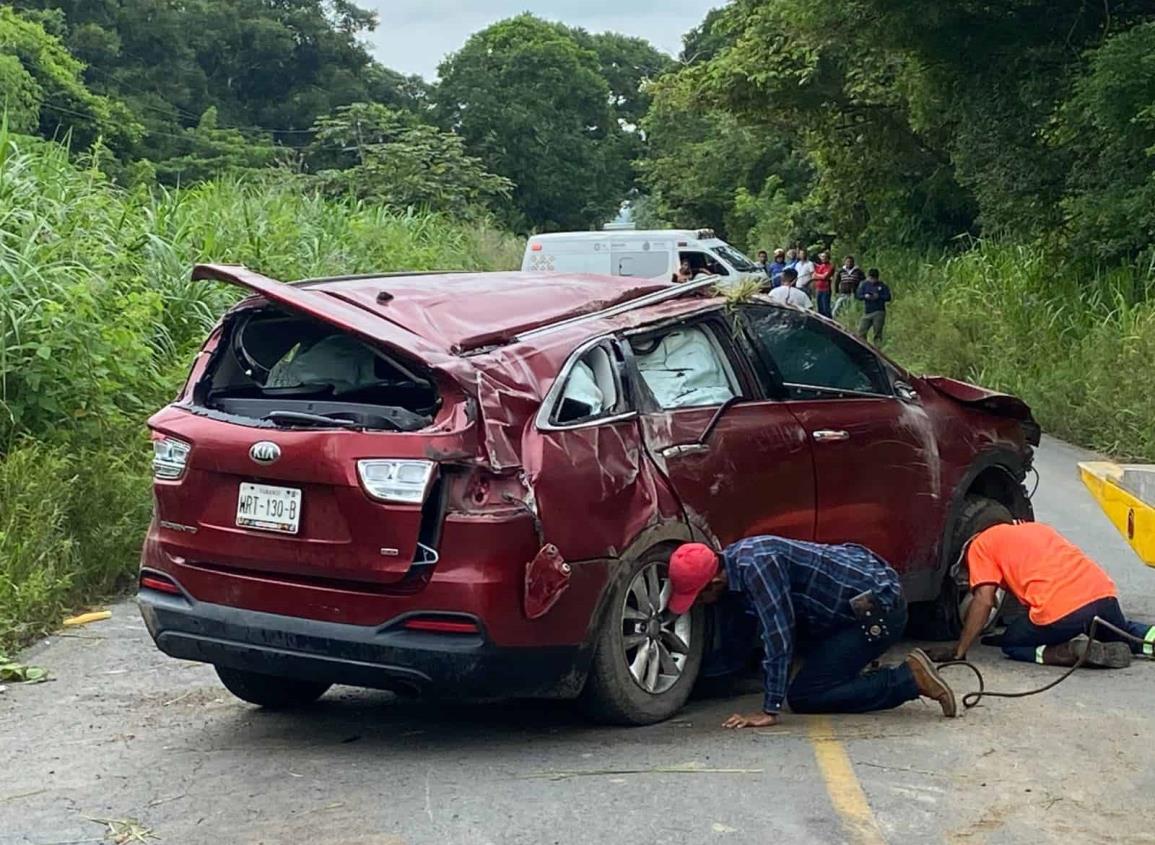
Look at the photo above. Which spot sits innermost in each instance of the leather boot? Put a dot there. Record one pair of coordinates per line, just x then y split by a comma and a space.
930, 683
1099, 655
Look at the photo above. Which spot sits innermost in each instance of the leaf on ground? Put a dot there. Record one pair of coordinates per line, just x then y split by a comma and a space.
15, 672
125, 831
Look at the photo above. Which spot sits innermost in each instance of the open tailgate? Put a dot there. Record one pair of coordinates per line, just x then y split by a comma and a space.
330, 309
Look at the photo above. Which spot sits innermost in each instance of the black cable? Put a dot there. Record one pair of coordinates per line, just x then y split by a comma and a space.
973, 698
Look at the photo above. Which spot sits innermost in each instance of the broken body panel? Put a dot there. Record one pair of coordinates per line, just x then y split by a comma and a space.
526, 522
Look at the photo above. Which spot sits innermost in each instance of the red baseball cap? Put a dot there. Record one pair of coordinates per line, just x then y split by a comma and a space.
692, 567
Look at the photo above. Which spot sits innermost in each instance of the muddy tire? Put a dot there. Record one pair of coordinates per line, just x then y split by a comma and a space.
269, 691
942, 618
645, 659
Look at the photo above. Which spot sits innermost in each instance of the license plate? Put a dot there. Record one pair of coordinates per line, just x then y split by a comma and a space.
269, 508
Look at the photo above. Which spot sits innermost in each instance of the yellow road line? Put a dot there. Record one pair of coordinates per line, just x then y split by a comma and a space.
842, 784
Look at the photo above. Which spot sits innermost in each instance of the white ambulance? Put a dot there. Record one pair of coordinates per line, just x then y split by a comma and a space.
653, 254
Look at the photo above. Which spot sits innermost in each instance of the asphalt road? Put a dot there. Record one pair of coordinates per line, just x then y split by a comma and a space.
125, 733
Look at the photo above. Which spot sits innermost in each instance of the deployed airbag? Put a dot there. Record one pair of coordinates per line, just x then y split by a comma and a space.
684, 370
339, 360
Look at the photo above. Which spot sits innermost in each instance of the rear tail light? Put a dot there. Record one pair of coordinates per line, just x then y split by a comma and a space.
395, 480
441, 625
169, 457
160, 583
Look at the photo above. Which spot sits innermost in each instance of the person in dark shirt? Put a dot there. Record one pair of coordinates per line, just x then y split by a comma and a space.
874, 294
823, 591
762, 261
846, 282
776, 267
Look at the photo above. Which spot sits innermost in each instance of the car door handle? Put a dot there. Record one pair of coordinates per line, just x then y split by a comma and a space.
827, 435
684, 449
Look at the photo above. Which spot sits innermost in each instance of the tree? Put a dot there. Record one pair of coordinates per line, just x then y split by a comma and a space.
1107, 129
371, 152
532, 104
704, 167
41, 85
265, 67
208, 150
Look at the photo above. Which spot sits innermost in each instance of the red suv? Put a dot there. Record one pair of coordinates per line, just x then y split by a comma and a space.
469, 485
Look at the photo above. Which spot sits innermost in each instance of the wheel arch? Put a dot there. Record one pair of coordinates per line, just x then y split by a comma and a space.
660, 537
997, 474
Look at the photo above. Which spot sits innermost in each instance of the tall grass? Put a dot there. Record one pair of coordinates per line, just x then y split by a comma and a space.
1078, 347
98, 322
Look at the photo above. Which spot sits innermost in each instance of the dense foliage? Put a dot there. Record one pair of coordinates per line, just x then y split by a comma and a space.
98, 323
921, 122
1012, 142
533, 121
548, 107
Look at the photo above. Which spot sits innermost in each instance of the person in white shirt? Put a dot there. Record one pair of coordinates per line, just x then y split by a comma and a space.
787, 294
805, 268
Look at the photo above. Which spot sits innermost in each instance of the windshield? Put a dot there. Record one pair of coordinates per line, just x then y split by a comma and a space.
736, 259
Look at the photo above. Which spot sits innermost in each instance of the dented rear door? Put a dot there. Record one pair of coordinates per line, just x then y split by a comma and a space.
753, 472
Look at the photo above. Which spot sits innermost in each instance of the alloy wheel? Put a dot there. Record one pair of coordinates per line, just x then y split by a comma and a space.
655, 642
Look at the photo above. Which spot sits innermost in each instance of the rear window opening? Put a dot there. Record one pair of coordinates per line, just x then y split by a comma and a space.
299, 372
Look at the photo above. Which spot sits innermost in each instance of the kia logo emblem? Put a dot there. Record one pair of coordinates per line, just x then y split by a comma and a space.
265, 452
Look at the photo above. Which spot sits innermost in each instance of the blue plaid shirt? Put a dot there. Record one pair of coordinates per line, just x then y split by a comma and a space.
789, 583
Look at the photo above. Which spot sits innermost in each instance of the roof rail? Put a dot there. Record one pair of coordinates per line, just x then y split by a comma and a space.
390, 275
675, 292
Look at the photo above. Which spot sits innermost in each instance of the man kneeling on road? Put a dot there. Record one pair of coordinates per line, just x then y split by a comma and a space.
846, 600
1063, 591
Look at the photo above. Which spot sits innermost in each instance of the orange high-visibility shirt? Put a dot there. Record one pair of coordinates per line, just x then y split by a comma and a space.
1044, 570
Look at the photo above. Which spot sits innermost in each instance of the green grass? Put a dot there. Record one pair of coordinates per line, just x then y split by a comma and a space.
98, 324
1080, 349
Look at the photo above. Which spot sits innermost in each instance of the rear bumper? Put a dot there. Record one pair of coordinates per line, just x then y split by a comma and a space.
380, 657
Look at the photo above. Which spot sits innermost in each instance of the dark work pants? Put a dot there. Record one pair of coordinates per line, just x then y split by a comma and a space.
831, 679
823, 297
1023, 639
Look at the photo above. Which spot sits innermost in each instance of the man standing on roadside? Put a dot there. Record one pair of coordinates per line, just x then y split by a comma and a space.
848, 608
805, 268
847, 280
787, 294
762, 262
874, 294
823, 270
776, 267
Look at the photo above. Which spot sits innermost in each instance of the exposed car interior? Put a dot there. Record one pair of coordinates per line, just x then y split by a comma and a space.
271, 365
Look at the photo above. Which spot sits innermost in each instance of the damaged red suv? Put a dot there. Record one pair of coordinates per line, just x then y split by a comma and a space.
469, 485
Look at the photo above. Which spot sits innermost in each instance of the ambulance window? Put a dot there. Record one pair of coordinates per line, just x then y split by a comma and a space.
643, 265
703, 262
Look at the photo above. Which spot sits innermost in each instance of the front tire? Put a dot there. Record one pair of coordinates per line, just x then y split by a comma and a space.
270, 691
646, 659
942, 618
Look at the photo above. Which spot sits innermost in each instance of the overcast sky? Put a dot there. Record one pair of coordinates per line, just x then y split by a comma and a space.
413, 36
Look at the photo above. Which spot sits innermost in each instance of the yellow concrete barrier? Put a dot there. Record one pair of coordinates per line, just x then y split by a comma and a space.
1127, 495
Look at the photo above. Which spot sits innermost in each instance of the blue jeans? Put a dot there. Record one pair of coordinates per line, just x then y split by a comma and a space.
1023, 637
824, 303
831, 679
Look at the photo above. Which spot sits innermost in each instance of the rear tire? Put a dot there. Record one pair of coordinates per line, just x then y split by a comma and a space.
270, 691
612, 694
942, 618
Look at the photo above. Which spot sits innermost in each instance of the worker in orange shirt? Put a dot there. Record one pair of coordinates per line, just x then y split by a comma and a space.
1062, 589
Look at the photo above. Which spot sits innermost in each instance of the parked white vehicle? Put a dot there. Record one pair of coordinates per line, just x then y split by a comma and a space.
653, 254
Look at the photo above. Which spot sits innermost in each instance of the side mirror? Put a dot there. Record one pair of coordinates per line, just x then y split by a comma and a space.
906, 393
